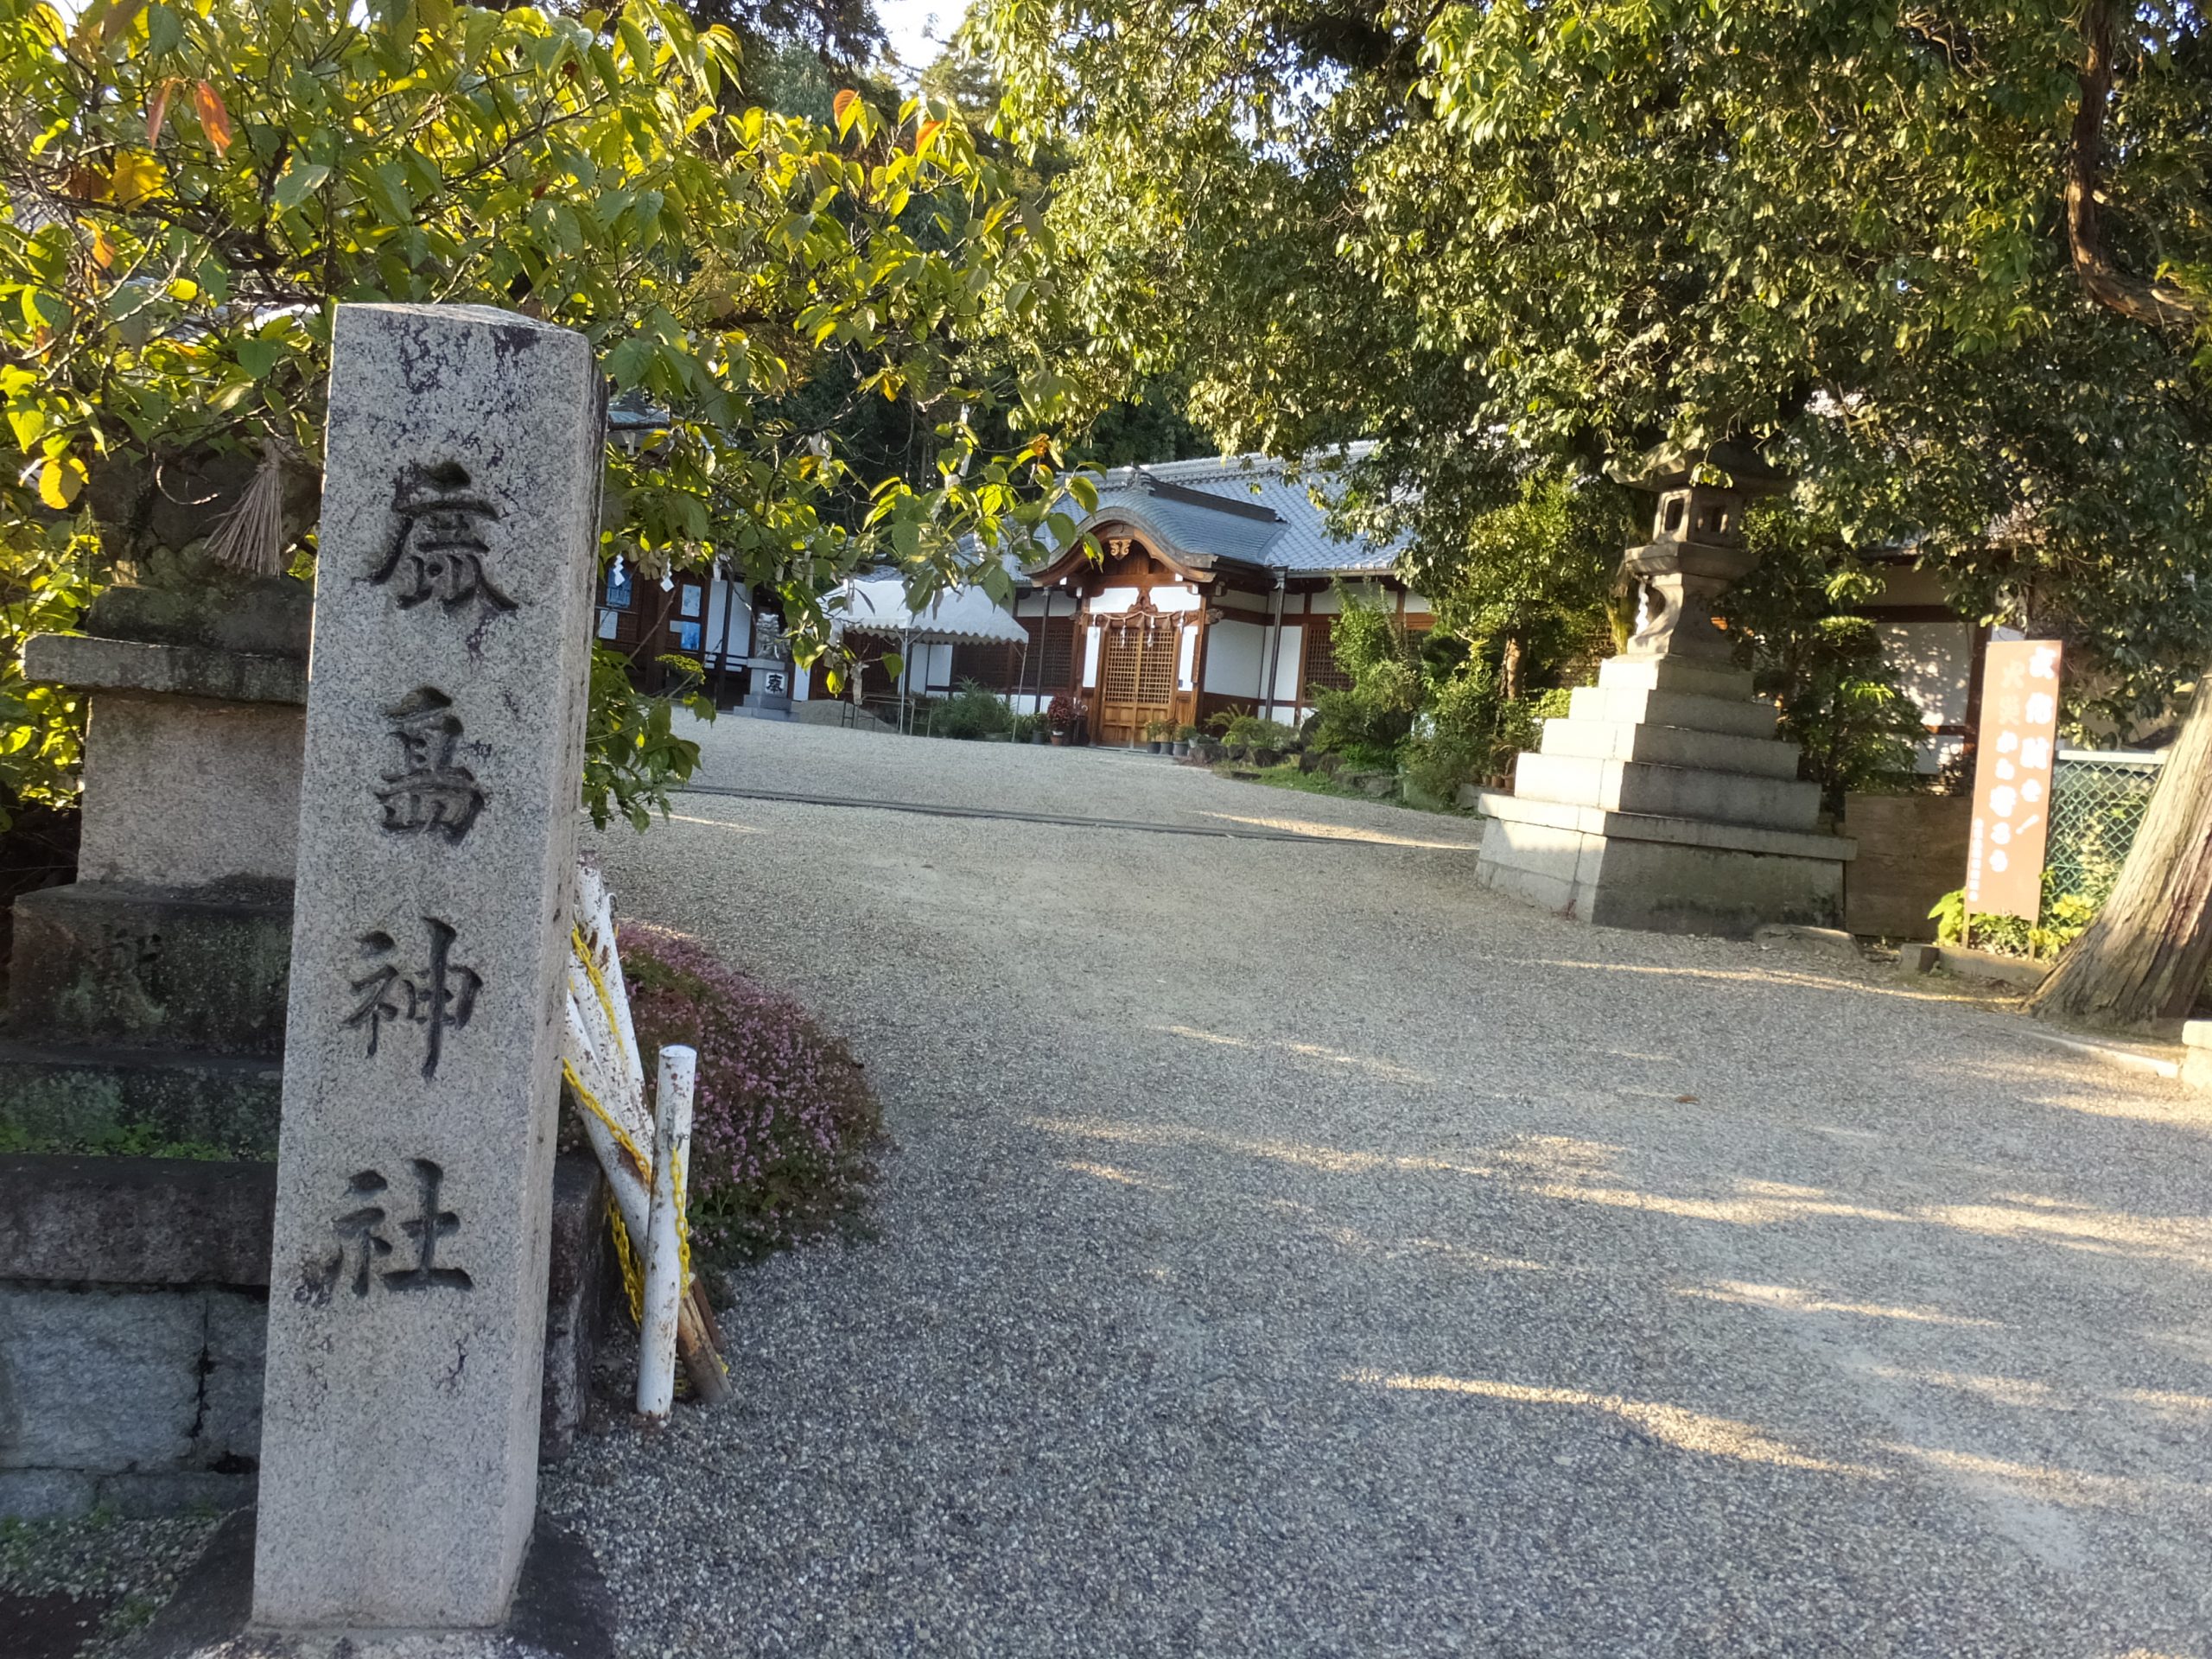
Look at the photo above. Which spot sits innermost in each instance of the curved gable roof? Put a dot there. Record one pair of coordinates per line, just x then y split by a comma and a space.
1240, 509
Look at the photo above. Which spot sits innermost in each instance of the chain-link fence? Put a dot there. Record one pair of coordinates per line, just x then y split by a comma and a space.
2097, 803
2098, 798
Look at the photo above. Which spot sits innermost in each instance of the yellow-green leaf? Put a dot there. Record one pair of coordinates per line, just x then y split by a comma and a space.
60, 480
134, 177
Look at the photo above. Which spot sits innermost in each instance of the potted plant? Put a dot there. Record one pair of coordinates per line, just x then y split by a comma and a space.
1155, 735
1079, 727
1060, 716
1185, 734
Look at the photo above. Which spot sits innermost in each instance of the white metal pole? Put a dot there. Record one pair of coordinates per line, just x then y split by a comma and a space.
679, 1070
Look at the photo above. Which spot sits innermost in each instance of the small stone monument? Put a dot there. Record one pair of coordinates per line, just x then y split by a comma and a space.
770, 697
1664, 800
430, 931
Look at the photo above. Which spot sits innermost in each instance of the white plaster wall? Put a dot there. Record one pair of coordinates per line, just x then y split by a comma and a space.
1328, 602
1090, 658
1934, 664
1186, 659
1049, 603
1233, 659
1110, 601
722, 596
928, 668
1294, 644
1170, 601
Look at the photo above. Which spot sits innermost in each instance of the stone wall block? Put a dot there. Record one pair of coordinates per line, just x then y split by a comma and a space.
46, 1494
102, 962
89, 1095
184, 791
99, 1381
229, 1437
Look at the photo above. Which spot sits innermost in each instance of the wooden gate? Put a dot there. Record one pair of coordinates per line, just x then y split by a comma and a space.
1136, 677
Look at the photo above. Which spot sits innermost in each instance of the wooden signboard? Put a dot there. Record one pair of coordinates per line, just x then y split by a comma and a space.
2014, 748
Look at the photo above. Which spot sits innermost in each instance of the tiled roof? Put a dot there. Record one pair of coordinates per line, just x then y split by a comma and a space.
1237, 508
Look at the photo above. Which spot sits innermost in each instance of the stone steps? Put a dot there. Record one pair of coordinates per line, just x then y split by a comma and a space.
1673, 675
102, 962
1671, 791
1737, 716
106, 1094
1671, 746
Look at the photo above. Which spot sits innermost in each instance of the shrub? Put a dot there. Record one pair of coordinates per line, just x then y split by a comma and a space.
972, 712
1388, 687
47, 574
1473, 732
1248, 734
782, 1122
1797, 627
2065, 916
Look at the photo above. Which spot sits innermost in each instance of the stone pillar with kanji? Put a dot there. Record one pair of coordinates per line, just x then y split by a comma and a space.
446, 705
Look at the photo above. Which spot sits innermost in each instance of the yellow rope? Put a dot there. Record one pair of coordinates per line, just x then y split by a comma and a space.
632, 1278
599, 985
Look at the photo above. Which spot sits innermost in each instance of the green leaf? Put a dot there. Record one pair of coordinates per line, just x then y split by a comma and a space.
256, 356
164, 30
297, 182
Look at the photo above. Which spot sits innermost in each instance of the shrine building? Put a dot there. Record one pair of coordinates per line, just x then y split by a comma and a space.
1216, 591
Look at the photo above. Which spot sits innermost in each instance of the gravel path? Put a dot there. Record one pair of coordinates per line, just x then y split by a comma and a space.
1290, 1248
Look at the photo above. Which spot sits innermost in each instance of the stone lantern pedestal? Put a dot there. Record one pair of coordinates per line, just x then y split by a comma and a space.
146, 999
1664, 801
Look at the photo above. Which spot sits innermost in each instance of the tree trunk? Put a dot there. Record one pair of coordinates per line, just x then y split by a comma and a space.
2142, 958
1508, 673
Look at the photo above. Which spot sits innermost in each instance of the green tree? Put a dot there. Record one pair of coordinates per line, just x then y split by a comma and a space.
1943, 265
1800, 628
1527, 582
191, 189
45, 581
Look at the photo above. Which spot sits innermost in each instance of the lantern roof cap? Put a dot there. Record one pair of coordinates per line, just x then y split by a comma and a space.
1676, 467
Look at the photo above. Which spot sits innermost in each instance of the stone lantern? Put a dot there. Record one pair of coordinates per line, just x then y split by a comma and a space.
1664, 800
1696, 553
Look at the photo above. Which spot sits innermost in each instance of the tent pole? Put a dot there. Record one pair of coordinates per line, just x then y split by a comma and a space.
722, 657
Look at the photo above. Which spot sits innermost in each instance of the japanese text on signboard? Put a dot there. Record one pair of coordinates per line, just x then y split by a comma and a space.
2017, 743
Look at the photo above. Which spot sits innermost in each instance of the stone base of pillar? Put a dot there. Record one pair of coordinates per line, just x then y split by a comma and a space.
562, 1609
1664, 802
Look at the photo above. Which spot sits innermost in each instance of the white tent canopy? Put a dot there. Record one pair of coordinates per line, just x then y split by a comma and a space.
958, 615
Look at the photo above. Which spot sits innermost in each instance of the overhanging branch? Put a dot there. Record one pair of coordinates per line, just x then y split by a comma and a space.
2154, 304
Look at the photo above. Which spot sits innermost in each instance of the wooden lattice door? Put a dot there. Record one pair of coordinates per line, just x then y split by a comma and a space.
1136, 678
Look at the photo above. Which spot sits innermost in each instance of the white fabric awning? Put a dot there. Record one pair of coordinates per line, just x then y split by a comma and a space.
879, 605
